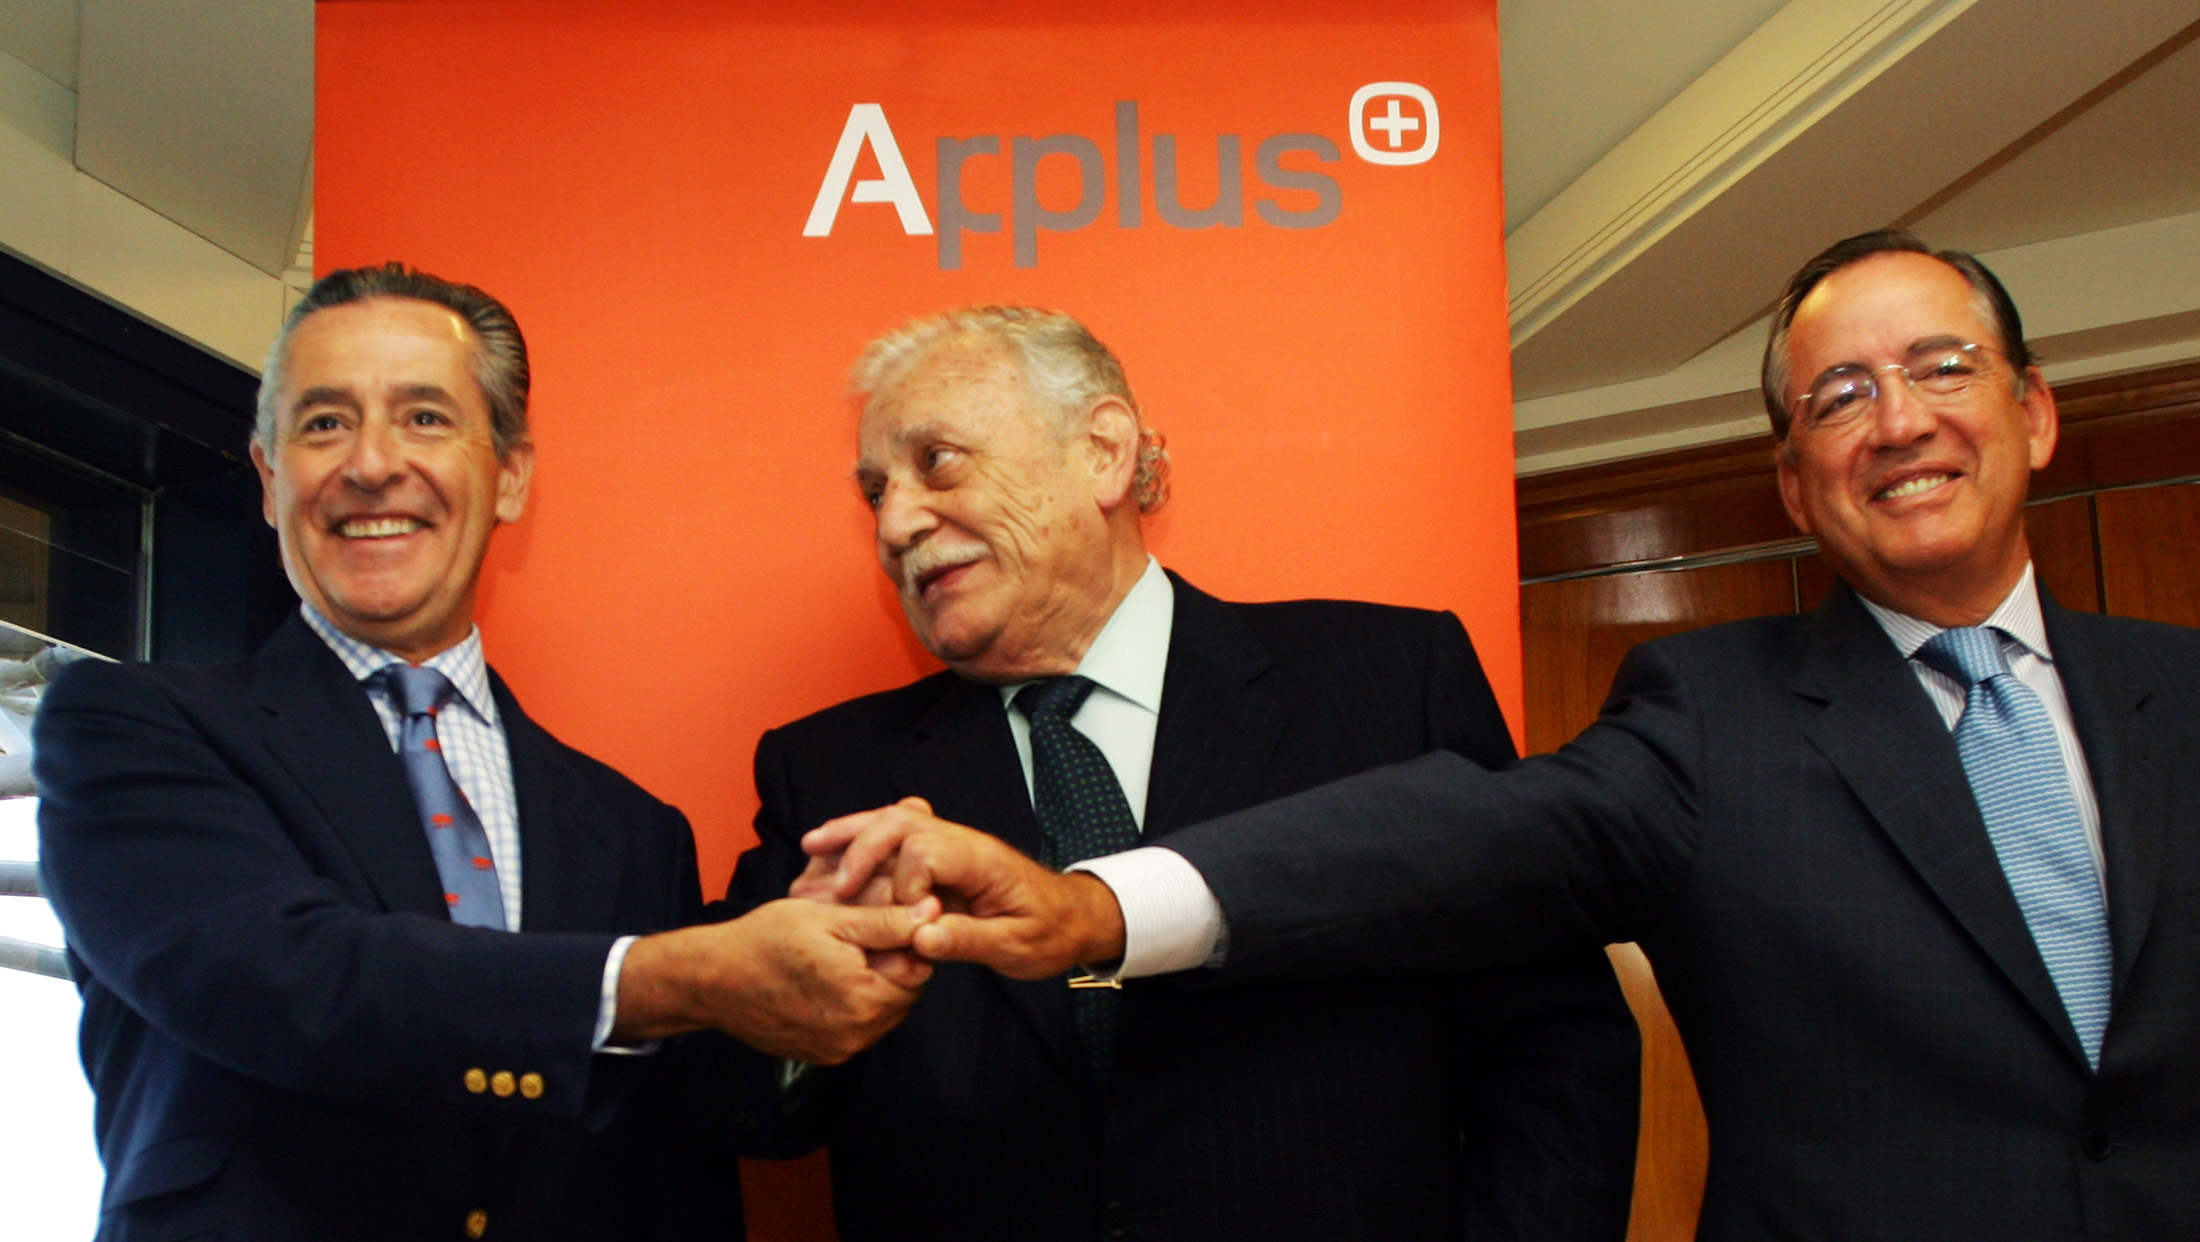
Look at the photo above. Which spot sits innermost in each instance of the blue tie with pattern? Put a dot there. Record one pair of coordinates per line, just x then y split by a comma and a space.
1082, 814
2017, 774
455, 834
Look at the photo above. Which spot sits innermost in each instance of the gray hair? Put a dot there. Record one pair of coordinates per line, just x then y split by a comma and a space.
500, 352
1066, 369
1993, 301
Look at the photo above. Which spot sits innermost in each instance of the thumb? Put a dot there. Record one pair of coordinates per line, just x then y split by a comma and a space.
956, 938
886, 927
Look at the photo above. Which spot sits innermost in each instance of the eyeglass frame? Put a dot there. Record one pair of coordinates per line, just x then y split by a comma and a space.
1798, 418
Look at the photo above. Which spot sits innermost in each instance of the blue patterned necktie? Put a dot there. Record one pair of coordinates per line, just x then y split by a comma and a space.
455, 834
2017, 774
1082, 814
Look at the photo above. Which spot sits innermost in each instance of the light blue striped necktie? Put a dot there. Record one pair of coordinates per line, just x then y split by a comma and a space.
2023, 790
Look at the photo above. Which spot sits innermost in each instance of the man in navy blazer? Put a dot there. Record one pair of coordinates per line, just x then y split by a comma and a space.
1005, 461
290, 1031
1881, 1012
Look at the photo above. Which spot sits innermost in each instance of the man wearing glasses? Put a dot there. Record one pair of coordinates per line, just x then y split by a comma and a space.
1919, 872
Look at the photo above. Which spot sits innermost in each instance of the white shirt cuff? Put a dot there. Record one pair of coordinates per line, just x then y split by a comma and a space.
607, 1006
1171, 921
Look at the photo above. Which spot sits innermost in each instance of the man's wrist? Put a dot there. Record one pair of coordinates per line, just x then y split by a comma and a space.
1168, 919
1099, 918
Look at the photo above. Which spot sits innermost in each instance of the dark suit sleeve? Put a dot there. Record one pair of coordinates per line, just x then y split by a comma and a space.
185, 895
1437, 864
781, 1114
1550, 1095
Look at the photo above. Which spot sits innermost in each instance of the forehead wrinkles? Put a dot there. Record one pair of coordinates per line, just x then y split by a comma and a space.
1878, 309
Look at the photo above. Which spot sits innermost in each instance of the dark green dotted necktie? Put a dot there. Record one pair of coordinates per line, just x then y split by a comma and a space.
1082, 814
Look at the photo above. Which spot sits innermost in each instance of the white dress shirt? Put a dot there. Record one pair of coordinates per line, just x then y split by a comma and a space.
474, 748
1126, 663
1171, 920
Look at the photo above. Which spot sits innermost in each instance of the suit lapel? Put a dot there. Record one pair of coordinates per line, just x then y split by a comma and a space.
569, 851
325, 733
2130, 782
1880, 732
962, 758
1218, 726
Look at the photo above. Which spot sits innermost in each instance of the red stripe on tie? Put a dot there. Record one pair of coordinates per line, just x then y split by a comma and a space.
431, 744
482, 864
440, 820
450, 899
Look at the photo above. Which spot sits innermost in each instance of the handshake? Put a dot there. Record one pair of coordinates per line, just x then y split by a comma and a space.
824, 973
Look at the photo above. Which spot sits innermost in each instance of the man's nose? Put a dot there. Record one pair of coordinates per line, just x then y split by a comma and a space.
377, 456
902, 517
1901, 415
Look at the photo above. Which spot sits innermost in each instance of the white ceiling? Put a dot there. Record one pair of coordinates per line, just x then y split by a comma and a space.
1666, 166
201, 110
1648, 238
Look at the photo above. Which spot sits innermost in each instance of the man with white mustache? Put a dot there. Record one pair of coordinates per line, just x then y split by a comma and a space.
1919, 871
1008, 470
365, 952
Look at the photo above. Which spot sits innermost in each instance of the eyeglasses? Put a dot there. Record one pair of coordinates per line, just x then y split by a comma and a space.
1937, 375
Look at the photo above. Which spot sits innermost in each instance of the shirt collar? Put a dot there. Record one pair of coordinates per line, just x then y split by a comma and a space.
1130, 657
463, 664
2018, 616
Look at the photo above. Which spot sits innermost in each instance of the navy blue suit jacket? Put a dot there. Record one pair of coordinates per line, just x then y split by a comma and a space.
1775, 810
1487, 1106
279, 1016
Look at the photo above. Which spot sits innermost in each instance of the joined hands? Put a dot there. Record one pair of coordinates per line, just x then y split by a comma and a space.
994, 906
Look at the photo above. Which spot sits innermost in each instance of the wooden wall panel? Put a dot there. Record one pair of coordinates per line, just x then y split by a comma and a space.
2063, 560
1581, 627
1674, 1147
2147, 539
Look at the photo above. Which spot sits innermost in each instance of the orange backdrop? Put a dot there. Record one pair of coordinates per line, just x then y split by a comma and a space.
635, 177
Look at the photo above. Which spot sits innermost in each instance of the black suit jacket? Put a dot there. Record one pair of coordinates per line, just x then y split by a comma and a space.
279, 1015
1777, 812
1326, 1112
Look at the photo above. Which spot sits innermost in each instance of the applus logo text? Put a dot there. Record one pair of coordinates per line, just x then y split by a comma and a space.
1390, 123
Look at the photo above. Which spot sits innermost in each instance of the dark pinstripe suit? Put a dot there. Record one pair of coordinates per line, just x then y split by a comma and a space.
1498, 1107
1776, 811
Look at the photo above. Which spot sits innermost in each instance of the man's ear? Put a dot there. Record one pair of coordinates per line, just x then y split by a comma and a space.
1111, 440
267, 479
514, 473
2043, 424
1791, 488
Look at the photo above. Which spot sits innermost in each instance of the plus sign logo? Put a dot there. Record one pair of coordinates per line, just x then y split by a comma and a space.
1394, 123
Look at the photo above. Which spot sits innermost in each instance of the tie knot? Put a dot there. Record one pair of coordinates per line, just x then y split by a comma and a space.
417, 691
1055, 698
1969, 655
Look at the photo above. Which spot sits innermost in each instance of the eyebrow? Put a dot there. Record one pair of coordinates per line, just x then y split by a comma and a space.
325, 395
422, 392
1943, 341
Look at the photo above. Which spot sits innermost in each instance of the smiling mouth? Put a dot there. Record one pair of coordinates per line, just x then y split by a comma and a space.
923, 568
378, 527
1916, 486
926, 579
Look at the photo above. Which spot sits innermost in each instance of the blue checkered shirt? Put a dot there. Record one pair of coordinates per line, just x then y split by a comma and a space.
473, 741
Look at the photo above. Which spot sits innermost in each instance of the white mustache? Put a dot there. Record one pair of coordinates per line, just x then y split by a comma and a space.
929, 558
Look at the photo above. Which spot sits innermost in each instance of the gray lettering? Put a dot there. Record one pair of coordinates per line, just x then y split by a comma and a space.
1128, 207
1328, 196
955, 218
1229, 205
1024, 156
